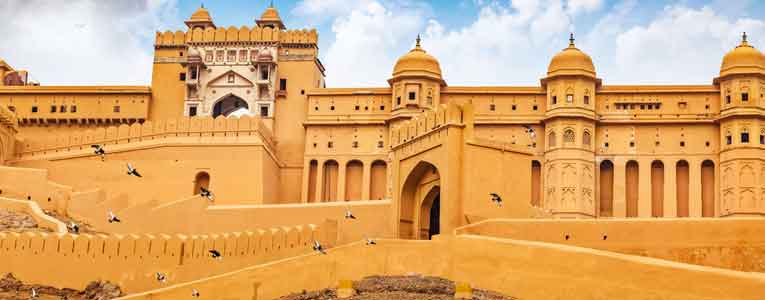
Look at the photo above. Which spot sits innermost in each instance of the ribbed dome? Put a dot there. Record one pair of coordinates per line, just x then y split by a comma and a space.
571, 61
201, 15
417, 62
743, 59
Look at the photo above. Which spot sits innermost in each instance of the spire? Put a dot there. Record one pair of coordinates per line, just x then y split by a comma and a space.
272, 4
202, 5
418, 41
743, 39
571, 40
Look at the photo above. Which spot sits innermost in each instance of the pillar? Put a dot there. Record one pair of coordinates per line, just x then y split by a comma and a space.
319, 180
342, 166
694, 197
306, 180
644, 188
366, 179
670, 188
620, 178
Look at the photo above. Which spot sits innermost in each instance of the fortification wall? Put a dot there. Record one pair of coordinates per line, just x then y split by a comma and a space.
72, 261
33, 184
8, 129
233, 34
525, 270
725, 243
32, 209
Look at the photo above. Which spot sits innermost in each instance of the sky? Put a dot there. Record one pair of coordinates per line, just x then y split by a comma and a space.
477, 42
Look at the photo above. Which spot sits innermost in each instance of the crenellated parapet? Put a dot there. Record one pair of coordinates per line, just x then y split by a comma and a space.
200, 128
425, 123
132, 260
232, 34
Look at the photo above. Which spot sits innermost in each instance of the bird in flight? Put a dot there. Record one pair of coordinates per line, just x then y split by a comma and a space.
34, 294
99, 150
215, 254
113, 218
73, 227
348, 214
206, 193
496, 199
132, 171
371, 241
161, 277
194, 293
532, 135
317, 247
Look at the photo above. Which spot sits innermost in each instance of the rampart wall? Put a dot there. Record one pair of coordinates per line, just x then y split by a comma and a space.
525, 270
736, 244
72, 261
233, 34
32, 209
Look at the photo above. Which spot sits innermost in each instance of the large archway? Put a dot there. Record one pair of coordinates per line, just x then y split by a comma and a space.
420, 205
227, 105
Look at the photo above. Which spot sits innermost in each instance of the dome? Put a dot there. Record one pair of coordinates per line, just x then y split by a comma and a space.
271, 14
417, 62
201, 15
743, 59
571, 61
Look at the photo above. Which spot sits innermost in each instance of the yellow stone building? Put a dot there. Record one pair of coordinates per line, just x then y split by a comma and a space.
245, 113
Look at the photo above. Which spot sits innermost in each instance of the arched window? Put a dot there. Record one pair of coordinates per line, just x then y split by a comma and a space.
728, 138
568, 136
202, 180
586, 138
745, 136
551, 139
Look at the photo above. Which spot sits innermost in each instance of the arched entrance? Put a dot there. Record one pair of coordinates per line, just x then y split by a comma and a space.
202, 180
420, 205
228, 105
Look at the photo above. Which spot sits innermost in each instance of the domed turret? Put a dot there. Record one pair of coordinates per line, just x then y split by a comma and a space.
200, 19
270, 18
571, 61
418, 63
744, 59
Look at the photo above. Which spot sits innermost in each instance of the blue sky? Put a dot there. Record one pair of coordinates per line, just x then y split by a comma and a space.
478, 42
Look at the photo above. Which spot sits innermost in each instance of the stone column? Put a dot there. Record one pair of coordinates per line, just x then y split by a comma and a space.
694, 184
366, 179
320, 180
644, 187
341, 171
620, 177
306, 180
670, 188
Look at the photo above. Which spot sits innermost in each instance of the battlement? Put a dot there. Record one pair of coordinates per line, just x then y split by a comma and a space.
131, 260
202, 127
432, 120
232, 34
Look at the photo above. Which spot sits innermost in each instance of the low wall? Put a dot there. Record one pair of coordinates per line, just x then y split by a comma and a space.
194, 215
33, 184
719, 242
72, 261
31, 208
526, 270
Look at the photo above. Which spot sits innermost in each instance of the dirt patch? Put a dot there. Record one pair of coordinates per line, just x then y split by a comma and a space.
19, 222
399, 288
13, 289
84, 227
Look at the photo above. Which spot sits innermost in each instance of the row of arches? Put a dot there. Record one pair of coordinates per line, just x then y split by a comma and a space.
329, 176
632, 187
569, 138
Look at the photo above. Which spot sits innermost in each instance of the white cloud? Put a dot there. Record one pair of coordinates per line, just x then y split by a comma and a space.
83, 41
576, 6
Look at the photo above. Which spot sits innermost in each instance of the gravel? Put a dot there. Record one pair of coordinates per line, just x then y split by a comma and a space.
19, 222
13, 289
84, 227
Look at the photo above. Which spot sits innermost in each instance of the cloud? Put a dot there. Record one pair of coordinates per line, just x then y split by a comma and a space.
83, 41
576, 6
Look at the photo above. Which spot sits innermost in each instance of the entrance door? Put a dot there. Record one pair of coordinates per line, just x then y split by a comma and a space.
435, 217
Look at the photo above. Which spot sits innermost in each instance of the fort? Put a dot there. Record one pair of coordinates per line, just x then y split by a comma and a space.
570, 189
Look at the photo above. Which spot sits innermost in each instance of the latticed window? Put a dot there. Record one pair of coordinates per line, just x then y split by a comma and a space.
242, 55
568, 136
231, 57
551, 139
208, 56
219, 55
586, 138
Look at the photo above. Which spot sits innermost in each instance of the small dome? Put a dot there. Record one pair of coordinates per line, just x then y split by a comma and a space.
417, 62
201, 15
743, 59
271, 14
571, 61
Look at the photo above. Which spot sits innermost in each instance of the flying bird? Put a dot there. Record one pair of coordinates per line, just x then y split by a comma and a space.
206, 193
215, 254
532, 134
348, 214
73, 227
34, 294
132, 171
99, 150
496, 199
371, 242
317, 247
194, 293
161, 277
113, 218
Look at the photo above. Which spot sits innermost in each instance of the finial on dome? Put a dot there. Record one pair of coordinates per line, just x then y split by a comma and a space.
743, 38
418, 41
272, 4
571, 40
201, 5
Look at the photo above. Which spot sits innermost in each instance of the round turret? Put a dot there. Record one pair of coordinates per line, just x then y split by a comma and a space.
571, 61
417, 63
744, 59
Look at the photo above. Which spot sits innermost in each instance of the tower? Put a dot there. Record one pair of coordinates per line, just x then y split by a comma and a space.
569, 183
200, 19
270, 18
742, 131
416, 83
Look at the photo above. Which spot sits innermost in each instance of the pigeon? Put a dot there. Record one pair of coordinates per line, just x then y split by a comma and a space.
371, 242
496, 199
73, 227
532, 135
132, 171
206, 193
34, 294
194, 293
99, 150
161, 277
215, 254
113, 218
317, 247
348, 214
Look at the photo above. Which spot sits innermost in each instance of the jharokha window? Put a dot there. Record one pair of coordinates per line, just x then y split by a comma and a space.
231, 57
570, 98
253, 55
242, 55
208, 56
551, 139
586, 138
219, 56
568, 136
